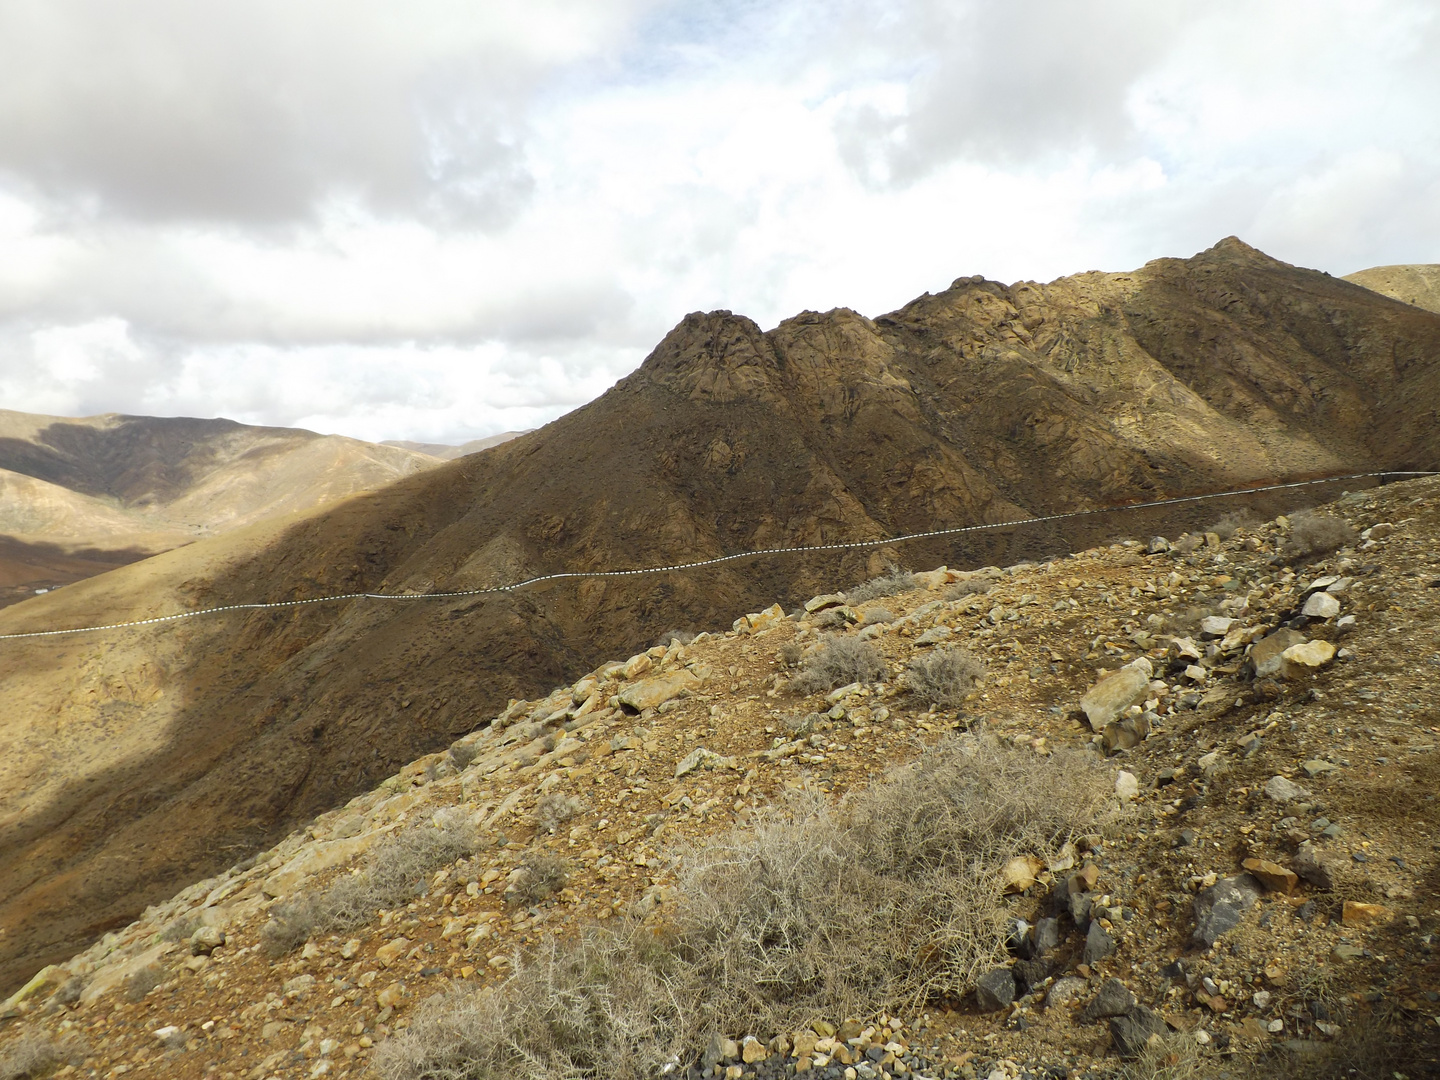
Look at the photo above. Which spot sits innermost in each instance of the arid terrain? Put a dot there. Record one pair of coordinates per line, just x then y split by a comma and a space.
1418, 285
81, 496
138, 760
1239, 876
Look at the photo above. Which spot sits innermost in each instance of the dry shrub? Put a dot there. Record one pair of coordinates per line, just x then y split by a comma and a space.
1187, 544
182, 928
1231, 523
33, 1053
943, 677
393, 874
838, 662
962, 589
1313, 533
462, 754
540, 876
139, 983
891, 584
1178, 1057
790, 654
553, 810
884, 902
877, 615
1381, 1045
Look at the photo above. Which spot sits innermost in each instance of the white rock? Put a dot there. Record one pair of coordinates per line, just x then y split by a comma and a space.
1300, 660
1126, 785
1321, 605
1283, 790
1215, 625
1111, 696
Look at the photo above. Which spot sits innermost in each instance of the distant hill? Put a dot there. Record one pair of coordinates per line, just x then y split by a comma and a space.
1418, 284
448, 452
132, 762
81, 495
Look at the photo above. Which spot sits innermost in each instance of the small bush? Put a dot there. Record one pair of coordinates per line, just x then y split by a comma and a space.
877, 615
943, 677
462, 754
139, 983
553, 810
790, 654
838, 662
393, 874
892, 584
882, 903
1187, 544
962, 589
33, 1054
1230, 524
541, 876
1177, 1057
1313, 534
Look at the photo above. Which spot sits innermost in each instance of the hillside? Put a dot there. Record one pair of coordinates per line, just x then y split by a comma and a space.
135, 761
119, 488
1418, 285
447, 452
1234, 876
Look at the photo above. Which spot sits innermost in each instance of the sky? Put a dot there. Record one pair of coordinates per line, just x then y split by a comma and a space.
445, 219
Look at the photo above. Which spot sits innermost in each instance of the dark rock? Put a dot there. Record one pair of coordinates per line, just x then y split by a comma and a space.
1029, 974
1097, 944
1133, 1031
1174, 970
1114, 999
1218, 908
1079, 908
1312, 865
1045, 936
1186, 838
995, 989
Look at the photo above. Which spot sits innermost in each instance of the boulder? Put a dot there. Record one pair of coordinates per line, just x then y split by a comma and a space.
995, 990
820, 603
1265, 654
1132, 1032
1312, 865
1283, 791
1126, 734
655, 691
1112, 695
1114, 999
1273, 876
1301, 660
1321, 605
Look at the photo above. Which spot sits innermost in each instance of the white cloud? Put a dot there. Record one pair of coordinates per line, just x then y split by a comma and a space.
451, 219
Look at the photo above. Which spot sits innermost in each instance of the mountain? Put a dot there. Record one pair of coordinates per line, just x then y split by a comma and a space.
1418, 285
447, 452
79, 496
982, 877
135, 760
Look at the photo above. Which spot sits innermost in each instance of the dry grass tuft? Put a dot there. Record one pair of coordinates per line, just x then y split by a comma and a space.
1178, 1057
541, 876
393, 874
884, 902
892, 584
943, 677
1313, 533
34, 1054
553, 810
840, 661
877, 615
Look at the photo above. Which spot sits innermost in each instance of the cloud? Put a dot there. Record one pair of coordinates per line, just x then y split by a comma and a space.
451, 219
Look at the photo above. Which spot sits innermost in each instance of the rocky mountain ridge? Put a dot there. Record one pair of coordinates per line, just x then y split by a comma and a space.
1261, 905
159, 756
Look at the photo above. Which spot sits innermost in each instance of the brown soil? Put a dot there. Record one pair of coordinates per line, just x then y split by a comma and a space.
982, 403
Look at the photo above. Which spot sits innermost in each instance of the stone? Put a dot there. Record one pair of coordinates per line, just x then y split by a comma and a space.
1029, 974
995, 990
1215, 625
1283, 791
752, 1050
700, 758
826, 600
1273, 876
45, 981
1344, 952
392, 997
1301, 660
1311, 864
1126, 734
1018, 874
1112, 695
1379, 531
1183, 648
1218, 909
1132, 1032
206, 940
1158, 546
299, 986
1114, 999
762, 620
1044, 936
1318, 767
1321, 605
315, 857
653, 692
391, 951
1195, 673
1354, 913
1098, 944
1266, 654
1127, 786
934, 634
1064, 992
171, 1037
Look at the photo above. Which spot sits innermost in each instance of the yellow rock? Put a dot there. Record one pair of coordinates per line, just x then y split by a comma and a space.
388, 953
1358, 914
1273, 876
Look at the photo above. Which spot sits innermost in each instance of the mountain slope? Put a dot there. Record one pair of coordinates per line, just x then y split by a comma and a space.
447, 452
1418, 285
983, 403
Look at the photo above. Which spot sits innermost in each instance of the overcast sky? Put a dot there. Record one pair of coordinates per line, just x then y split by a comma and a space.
447, 218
